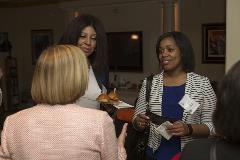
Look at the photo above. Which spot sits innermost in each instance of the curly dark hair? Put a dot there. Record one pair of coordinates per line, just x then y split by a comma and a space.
185, 46
99, 58
226, 117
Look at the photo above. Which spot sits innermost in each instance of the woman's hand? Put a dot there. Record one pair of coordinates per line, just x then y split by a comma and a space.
122, 136
122, 155
178, 128
141, 121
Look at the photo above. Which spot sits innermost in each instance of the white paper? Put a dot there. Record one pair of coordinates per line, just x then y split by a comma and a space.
162, 130
122, 104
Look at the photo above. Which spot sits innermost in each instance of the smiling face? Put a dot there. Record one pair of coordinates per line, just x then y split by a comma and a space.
170, 55
87, 40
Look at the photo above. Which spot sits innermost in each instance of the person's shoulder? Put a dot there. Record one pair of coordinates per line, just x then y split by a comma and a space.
196, 149
201, 142
197, 144
155, 77
92, 113
197, 77
24, 112
96, 118
69, 109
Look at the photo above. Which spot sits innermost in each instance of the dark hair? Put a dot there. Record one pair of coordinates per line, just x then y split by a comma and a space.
98, 59
185, 46
226, 116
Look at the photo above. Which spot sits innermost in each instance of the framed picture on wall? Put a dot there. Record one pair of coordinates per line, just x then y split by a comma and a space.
40, 39
214, 42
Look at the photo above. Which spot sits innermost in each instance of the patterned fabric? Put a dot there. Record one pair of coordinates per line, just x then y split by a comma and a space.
170, 108
59, 132
197, 87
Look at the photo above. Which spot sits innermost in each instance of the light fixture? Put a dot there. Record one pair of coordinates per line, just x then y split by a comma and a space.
134, 36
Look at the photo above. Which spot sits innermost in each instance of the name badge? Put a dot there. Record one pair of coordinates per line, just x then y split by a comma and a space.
188, 104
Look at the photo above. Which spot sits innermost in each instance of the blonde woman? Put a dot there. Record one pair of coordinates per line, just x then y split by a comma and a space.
56, 128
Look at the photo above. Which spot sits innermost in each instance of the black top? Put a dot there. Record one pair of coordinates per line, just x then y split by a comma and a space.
102, 77
200, 150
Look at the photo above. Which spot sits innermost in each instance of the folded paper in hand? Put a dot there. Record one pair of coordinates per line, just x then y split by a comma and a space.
162, 130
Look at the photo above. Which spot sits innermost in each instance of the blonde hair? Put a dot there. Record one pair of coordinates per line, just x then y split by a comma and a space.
60, 76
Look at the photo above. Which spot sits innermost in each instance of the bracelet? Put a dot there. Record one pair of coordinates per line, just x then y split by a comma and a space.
135, 125
190, 129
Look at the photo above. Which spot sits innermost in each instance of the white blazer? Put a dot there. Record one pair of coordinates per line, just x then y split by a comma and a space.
197, 87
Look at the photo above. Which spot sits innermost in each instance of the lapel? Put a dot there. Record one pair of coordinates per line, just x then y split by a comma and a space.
188, 89
97, 78
157, 92
161, 91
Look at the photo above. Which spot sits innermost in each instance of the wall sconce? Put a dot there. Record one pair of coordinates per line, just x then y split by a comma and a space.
76, 14
134, 37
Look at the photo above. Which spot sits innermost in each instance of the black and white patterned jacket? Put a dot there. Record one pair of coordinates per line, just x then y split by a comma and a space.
197, 87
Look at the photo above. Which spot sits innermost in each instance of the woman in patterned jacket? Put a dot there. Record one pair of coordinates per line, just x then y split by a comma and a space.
177, 93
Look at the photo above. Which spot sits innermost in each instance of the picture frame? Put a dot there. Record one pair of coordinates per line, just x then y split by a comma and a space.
214, 42
40, 40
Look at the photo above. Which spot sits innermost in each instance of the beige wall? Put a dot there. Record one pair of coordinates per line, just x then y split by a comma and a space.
134, 15
18, 23
233, 33
193, 14
143, 16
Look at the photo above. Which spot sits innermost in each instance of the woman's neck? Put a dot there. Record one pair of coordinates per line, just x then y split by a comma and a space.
174, 78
